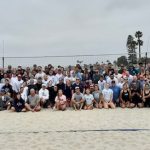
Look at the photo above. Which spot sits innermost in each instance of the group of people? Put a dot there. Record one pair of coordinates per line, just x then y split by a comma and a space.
80, 87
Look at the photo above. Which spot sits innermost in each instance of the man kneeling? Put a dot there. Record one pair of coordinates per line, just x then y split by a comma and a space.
77, 99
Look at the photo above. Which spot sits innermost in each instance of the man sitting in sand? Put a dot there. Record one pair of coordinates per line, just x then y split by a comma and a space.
5, 100
77, 99
33, 102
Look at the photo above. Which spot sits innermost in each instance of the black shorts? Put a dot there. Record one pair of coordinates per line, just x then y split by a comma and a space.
19, 109
147, 102
136, 99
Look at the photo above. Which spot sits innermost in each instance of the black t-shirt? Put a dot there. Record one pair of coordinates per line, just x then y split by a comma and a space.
19, 104
111, 71
79, 85
68, 91
52, 94
91, 73
39, 86
1, 76
61, 86
8, 89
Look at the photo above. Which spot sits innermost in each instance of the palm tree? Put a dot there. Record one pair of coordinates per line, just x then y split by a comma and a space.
138, 35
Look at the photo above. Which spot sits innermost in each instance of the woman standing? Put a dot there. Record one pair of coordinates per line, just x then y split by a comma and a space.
68, 92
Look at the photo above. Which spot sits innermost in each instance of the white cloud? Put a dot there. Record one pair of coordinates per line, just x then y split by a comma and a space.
71, 27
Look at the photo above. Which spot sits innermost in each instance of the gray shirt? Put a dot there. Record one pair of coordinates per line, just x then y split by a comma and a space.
77, 97
33, 100
96, 95
4, 100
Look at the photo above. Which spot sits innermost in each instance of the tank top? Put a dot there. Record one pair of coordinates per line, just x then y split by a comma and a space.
125, 95
146, 94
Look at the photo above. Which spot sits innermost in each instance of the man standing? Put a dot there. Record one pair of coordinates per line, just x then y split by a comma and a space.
5, 100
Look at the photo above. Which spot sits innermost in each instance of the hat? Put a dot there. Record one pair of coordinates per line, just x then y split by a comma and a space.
60, 78
44, 85
77, 78
76, 87
7, 79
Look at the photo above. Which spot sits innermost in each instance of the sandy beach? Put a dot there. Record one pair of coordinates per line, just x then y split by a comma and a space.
97, 129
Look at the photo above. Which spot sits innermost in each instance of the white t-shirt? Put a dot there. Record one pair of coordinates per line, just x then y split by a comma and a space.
44, 94
118, 76
109, 80
88, 99
101, 84
38, 75
67, 78
24, 94
45, 82
59, 76
53, 79
120, 85
107, 94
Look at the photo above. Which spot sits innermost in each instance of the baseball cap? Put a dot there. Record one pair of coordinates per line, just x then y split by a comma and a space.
44, 85
77, 78
60, 78
76, 87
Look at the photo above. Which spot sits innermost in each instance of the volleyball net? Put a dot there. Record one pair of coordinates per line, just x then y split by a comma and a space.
62, 60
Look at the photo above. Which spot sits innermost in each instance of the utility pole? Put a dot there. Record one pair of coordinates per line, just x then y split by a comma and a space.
3, 59
145, 59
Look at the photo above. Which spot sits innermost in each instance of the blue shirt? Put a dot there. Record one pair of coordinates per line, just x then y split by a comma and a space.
116, 92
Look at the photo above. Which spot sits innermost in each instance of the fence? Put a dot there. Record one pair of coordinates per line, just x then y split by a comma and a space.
60, 60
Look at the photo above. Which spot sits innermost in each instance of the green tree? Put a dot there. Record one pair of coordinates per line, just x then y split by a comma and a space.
132, 46
122, 60
145, 60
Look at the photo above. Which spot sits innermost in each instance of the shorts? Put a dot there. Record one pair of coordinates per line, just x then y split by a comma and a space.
147, 102
136, 99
